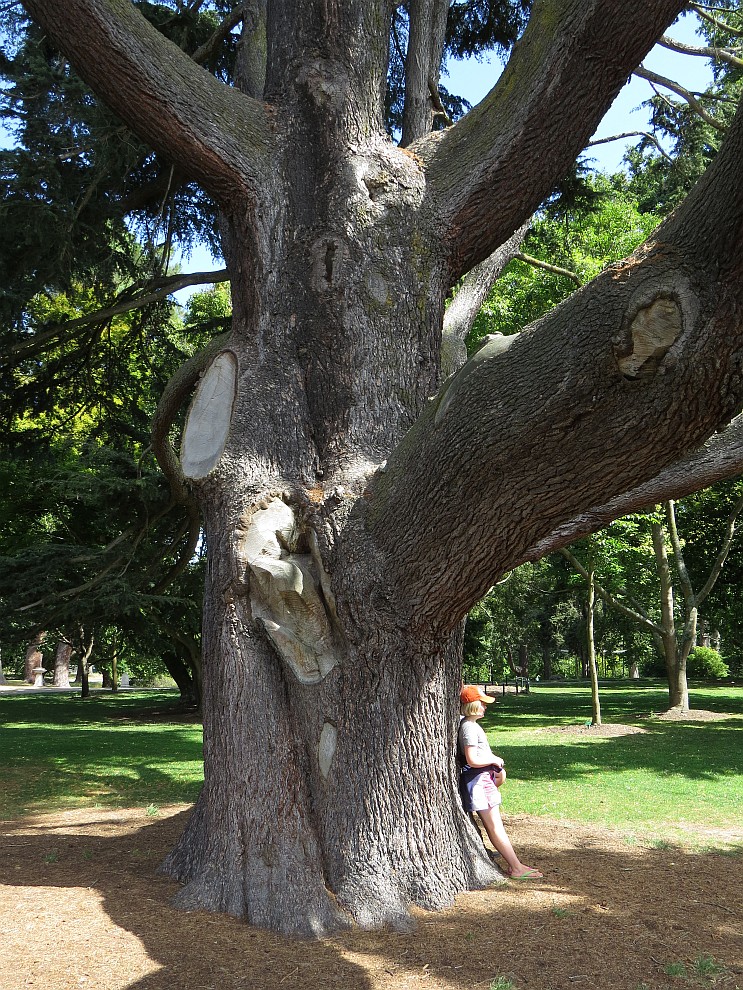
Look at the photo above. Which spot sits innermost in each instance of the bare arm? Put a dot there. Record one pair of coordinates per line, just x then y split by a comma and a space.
475, 760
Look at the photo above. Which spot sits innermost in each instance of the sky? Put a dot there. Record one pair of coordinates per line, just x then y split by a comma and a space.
473, 80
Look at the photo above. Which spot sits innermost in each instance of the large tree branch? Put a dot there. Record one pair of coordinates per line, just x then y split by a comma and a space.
175, 106
632, 373
719, 459
468, 300
489, 172
422, 64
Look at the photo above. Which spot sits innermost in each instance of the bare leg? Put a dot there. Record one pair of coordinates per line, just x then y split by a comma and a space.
493, 823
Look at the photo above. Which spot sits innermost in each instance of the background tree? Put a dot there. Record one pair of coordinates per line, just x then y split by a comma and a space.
95, 536
351, 522
672, 620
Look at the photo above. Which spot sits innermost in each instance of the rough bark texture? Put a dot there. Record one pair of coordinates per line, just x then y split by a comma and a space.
675, 661
351, 521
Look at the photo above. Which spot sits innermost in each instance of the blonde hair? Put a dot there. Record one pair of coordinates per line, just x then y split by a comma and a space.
470, 708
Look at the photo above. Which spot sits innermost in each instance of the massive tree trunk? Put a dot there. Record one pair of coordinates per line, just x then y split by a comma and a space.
353, 511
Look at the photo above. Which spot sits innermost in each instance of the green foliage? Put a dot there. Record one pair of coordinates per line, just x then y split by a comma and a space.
79, 181
112, 751
708, 968
634, 782
706, 663
675, 969
580, 233
90, 530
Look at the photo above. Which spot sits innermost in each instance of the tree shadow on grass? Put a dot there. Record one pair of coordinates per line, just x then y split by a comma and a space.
606, 915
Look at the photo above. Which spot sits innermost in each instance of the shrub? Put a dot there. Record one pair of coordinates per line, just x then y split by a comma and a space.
706, 662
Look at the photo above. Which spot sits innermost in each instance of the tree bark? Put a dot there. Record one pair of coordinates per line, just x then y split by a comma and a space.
675, 661
182, 674
34, 656
595, 699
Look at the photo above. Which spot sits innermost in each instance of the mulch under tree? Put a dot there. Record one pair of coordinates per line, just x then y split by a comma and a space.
81, 905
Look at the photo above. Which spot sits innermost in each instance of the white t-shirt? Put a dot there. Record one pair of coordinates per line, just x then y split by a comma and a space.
471, 734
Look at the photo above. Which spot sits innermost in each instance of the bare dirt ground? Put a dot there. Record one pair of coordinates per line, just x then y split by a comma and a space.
81, 906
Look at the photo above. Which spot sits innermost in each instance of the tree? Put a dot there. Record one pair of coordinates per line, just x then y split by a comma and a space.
351, 519
673, 622
91, 534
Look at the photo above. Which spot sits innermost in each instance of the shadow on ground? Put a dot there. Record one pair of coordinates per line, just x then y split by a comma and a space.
82, 906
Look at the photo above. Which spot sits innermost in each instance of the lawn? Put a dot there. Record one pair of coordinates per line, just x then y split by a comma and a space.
110, 750
656, 780
134, 749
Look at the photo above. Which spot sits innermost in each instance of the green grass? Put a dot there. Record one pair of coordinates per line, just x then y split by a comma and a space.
670, 774
61, 752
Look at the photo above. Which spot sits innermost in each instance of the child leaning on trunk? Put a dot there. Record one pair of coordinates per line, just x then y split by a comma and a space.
481, 775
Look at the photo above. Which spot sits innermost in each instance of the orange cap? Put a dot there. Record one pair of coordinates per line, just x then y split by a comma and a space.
470, 692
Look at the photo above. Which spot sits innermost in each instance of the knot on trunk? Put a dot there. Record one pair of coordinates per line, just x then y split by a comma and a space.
653, 323
289, 590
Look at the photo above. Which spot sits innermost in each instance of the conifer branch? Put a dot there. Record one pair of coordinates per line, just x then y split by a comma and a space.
545, 266
718, 54
685, 94
160, 289
628, 134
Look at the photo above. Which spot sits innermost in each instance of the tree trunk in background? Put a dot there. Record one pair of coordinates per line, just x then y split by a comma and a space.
34, 656
546, 663
181, 674
595, 700
675, 660
62, 664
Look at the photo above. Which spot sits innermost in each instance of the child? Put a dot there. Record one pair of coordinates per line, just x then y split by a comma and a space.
482, 774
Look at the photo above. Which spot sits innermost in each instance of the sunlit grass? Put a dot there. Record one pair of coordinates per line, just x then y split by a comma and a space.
668, 775
60, 752
134, 750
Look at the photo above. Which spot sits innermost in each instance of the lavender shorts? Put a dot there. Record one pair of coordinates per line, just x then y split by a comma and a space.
483, 792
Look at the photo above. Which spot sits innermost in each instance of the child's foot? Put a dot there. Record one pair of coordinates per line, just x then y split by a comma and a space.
525, 873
